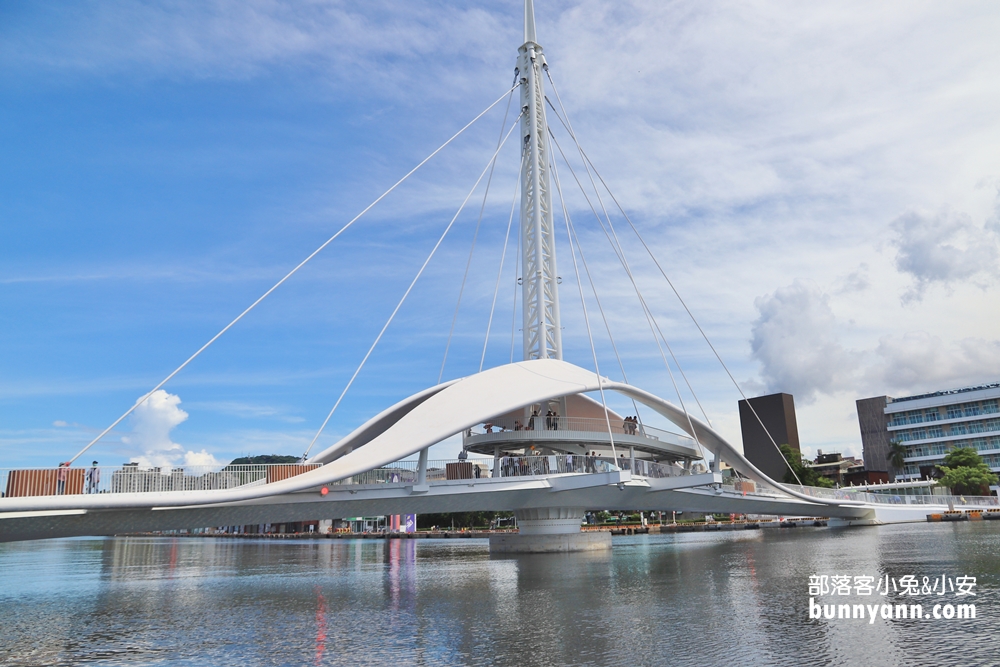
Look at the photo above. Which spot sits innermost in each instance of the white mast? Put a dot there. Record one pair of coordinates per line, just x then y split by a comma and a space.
540, 295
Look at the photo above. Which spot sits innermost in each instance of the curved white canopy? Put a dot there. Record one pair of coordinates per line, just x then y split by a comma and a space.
422, 420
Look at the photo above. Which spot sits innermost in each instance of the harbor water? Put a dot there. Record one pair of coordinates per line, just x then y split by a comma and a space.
733, 598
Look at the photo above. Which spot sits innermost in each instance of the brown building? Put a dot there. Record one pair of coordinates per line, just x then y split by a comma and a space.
776, 414
875, 434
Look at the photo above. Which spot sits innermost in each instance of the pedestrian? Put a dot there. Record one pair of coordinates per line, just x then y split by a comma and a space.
61, 476
93, 478
555, 420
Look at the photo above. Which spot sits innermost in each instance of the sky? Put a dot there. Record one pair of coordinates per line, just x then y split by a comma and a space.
821, 182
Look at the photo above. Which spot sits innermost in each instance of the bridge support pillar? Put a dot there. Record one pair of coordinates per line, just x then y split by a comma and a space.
549, 530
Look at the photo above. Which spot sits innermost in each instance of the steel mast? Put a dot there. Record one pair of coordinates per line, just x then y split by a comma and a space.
539, 283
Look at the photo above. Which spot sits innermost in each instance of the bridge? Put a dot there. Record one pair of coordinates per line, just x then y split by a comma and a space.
538, 436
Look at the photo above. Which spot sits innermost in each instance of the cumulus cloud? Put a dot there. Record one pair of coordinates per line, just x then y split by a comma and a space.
152, 423
795, 341
918, 361
942, 248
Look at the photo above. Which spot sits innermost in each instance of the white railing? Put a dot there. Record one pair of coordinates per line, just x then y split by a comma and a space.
577, 424
846, 494
131, 478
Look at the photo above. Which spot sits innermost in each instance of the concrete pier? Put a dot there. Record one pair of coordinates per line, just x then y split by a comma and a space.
549, 530
513, 543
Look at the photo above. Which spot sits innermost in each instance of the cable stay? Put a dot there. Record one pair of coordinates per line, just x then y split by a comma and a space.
408, 290
503, 258
617, 246
475, 236
513, 313
590, 165
583, 304
653, 326
295, 270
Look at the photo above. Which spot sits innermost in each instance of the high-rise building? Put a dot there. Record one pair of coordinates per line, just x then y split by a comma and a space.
929, 425
776, 414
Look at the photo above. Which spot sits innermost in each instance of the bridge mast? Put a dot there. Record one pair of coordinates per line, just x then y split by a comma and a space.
539, 284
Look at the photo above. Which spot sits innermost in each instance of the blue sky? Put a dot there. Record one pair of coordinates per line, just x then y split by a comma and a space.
821, 180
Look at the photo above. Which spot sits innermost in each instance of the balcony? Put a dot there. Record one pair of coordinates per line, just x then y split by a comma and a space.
571, 435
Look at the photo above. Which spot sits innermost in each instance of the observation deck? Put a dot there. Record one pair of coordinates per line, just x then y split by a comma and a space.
578, 435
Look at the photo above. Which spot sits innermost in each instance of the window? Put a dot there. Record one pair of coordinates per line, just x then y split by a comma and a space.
918, 450
931, 415
959, 429
970, 409
991, 407
977, 427
935, 432
954, 411
939, 449
898, 419
992, 425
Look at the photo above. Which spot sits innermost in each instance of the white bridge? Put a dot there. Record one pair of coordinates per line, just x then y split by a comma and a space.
548, 446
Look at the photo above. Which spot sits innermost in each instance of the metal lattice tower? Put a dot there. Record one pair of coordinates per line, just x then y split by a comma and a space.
539, 286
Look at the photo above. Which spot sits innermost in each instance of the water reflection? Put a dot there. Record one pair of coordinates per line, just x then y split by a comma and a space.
692, 599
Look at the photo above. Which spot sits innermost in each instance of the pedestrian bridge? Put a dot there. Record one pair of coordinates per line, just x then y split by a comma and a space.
568, 465
125, 499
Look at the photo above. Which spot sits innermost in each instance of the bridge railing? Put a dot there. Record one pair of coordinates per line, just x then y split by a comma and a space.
580, 424
132, 478
755, 488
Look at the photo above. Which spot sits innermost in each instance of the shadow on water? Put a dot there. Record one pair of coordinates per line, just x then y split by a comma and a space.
687, 599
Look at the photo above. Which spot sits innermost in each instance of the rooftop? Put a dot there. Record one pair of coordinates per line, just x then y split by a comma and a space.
947, 392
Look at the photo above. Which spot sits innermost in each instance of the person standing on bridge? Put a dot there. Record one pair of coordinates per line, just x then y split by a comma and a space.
93, 478
61, 474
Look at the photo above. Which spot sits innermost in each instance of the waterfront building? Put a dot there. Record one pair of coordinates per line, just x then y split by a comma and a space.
773, 424
835, 466
929, 425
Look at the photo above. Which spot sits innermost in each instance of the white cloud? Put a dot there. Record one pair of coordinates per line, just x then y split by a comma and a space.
152, 423
795, 341
944, 247
918, 361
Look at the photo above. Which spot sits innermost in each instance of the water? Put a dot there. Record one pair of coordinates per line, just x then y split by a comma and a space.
735, 598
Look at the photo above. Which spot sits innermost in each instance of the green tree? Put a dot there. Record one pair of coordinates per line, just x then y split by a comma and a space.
807, 475
897, 455
264, 459
965, 472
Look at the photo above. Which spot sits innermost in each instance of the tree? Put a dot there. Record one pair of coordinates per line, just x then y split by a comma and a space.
796, 466
897, 455
965, 472
264, 459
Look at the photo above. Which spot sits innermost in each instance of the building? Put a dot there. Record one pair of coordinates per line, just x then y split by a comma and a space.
929, 425
776, 414
836, 467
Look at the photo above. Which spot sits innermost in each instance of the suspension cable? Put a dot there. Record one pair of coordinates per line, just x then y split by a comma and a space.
635, 230
287, 276
407, 292
513, 311
616, 243
503, 258
475, 237
586, 319
650, 319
